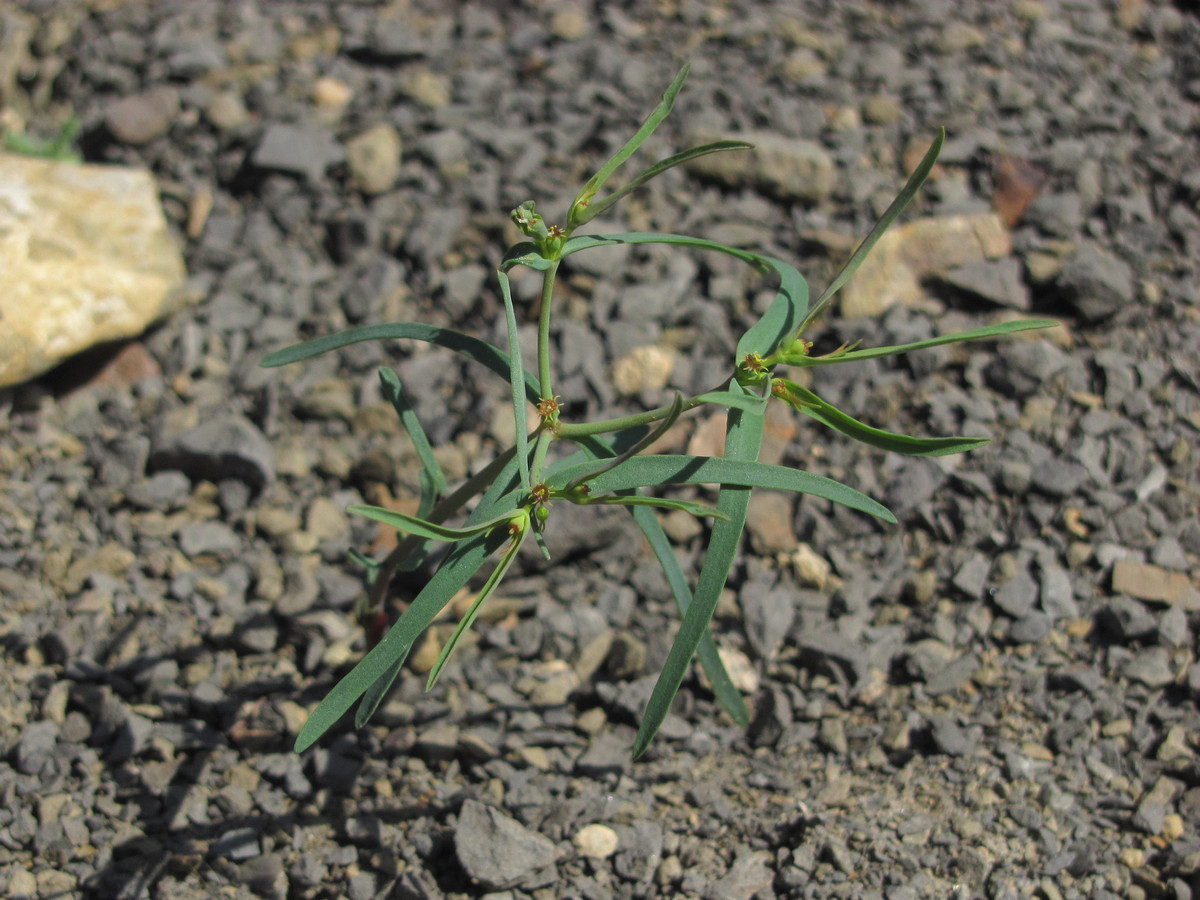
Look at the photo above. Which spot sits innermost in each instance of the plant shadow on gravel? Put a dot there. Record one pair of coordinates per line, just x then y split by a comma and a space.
166, 849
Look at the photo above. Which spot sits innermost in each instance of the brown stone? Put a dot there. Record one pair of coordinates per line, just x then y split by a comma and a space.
1018, 182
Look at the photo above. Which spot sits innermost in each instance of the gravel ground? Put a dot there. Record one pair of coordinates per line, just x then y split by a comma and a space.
996, 699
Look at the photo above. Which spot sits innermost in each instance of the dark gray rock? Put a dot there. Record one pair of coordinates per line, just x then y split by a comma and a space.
1018, 596
36, 744
767, 615
608, 753
1076, 678
209, 538
224, 447
237, 844
498, 851
464, 287
1126, 619
132, 737
951, 677
265, 875
1057, 593
298, 150
1173, 630
927, 658
750, 874
259, 634
915, 483
163, 491
949, 737
971, 577
1059, 477
1031, 628
997, 281
141, 118
639, 851
1151, 667
1025, 367
363, 886
772, 718
1057, 214
1096, 283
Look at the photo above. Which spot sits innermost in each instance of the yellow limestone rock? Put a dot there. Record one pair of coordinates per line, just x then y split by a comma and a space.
85, 257
908, 254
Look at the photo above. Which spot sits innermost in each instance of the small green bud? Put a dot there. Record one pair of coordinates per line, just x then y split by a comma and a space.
526, 218
541, 513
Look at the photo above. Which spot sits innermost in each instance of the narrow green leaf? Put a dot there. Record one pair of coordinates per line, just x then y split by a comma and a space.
727, 695
393, 390
376, 693
885, 221
540, 540
526, 254
782, 317
644, 471
359, 559
596, 447
743, 438
463, 561
585, 241
486, 591
597, 208
693, 507
516, 376
429, 494
974, 334
482, 352
745, 402
828, 414
421, 528
499, 497
652, 122
659, 431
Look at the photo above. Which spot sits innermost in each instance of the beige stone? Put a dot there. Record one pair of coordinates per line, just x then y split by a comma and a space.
643, 369
374, 159
769, 522
742, 673
427, 87
909, 253
1148, 582
596, 841
788, 168
85, 257
812, 570
709, 436
569, 22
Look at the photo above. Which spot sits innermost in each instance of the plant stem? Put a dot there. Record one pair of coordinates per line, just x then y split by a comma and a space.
544, 435
543, 347
583, 429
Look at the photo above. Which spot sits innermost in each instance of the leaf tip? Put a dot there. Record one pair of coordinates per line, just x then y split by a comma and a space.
304, 740
640, 746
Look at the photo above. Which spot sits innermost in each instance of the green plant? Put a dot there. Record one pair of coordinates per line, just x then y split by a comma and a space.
516, 491
60, 148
